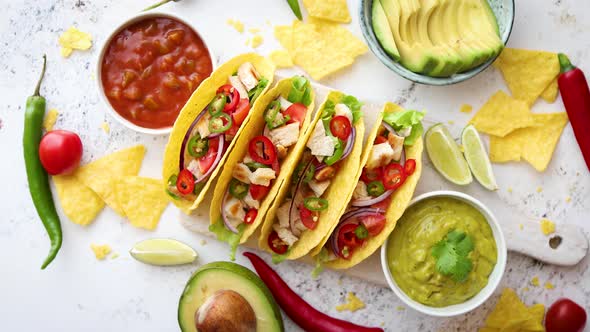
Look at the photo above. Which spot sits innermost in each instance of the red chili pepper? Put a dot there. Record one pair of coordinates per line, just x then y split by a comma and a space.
296, 308
576, 98
234, 97
264, 154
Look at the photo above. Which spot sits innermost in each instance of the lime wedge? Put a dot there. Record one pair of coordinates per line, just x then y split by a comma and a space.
477, 158
446, 155
163, 252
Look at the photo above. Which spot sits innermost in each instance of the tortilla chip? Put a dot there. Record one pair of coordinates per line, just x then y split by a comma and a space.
255, 127
527, 72
79, 203
505, 149
196, 103
74, 39
99, 175
399, 199
337, 193
142, 200
50, 119
332, 10
509, 311
255, 41
535, 323
501, 115
466, 108
236, 24
281, 58
550, 92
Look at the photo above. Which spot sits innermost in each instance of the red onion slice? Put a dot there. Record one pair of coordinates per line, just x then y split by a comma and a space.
370, 201
220, 151
293, 213
226, 221
187, 136
349, 143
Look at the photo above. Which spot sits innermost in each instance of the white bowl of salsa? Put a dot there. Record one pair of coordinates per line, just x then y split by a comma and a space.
414, 276
147, 69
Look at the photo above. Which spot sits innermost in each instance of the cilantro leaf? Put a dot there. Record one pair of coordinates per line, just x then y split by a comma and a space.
451, 255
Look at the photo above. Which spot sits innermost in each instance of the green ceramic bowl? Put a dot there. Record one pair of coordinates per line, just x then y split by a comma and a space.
503, 9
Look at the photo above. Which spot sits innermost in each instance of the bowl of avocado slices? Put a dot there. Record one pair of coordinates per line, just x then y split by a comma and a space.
437, 42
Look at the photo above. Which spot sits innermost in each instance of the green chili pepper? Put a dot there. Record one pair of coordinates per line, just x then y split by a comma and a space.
361, 232
315, 203
217, 104
238, 189
216, 123
375, 188
254, 165
172, 183
36, 174
338, 152
271, 114
198, 187
197, 146
158, 4
257, 91
307, 177
294, 4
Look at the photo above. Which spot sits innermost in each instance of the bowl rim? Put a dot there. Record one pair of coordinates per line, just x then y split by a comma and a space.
493, 280
98, 72
384, 58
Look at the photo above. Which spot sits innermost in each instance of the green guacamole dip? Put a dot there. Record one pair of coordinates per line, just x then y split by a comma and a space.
409, 251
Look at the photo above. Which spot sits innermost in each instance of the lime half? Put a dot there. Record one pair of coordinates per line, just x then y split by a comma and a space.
446, 155
477, 158
163, 252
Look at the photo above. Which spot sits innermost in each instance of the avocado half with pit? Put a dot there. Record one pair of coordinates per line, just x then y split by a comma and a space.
224, 296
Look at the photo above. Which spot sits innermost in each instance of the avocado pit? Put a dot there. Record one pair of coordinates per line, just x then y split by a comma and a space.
225, 310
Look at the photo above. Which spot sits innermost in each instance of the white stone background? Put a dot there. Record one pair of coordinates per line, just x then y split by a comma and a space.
79, 293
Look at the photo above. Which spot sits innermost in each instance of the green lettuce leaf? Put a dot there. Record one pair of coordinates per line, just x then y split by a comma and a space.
225, 235
406, 119
355, 106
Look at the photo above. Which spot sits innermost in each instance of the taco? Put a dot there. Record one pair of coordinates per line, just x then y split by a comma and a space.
384, 186
208, 126
264, 155
310, 201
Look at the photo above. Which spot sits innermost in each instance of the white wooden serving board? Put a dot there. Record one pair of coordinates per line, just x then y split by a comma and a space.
523, 233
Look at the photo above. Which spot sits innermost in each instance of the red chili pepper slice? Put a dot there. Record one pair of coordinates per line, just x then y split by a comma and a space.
232, 94
264, 154
393, 176
276, 244
370, 175
410, 167
340, 127
250, 216
185, 182
347, 237
309, 218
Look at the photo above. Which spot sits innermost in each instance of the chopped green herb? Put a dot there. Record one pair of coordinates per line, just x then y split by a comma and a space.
451, 255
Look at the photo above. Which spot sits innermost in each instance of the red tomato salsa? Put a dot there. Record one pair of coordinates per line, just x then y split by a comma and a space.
151, 68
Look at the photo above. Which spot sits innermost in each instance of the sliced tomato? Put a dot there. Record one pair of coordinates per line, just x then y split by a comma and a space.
262, 150
250, 216
185, 183
207, 160
370, 175
380, 139
393, 176
309, 218
232, 94
340, 127
374, 223
241, 112
276, 244
383, 205
296, 112
410, 167
258, 192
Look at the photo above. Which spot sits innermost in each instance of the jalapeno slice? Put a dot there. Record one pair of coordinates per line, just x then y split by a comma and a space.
217, 105
271, 114
254, 166
172, 184
315, 203
238, 189
375, 188
197, 146
220, 123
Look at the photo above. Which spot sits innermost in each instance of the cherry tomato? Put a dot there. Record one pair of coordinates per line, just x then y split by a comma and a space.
347, 236
250, 216
60, 152
383, 205
265, 154
380, 139
340, 127
565, 315
374, 223
276, 244
185, 182
410, 167
232, 94
258, 192
296, 112
308, 218
370, 175
393, 176
207, 160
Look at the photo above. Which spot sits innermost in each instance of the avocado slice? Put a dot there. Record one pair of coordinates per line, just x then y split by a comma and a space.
215, 285
383, 30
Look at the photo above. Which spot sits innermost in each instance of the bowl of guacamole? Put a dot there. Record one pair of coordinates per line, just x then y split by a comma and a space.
446, 255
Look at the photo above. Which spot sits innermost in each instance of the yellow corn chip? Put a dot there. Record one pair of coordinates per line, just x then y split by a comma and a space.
547, 226
50, 119
78, 202
281, 58
100, 251
510, 314
256, 41
74, 39
353, 303
99, 175
550, 92
501, 115
142, 199
527, 72
332, 10
236, 24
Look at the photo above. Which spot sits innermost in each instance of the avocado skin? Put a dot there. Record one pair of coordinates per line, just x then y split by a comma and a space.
383, 30
239, 271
